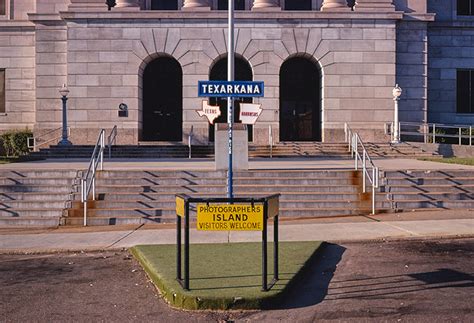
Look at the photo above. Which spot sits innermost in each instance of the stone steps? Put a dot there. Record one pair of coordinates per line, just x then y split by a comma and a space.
444, 189
283, 149
33, 198
123, 195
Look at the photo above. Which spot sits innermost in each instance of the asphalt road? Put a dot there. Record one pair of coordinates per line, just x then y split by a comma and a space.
422, 281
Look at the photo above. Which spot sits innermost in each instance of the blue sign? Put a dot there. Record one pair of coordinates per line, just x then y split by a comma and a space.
235, 89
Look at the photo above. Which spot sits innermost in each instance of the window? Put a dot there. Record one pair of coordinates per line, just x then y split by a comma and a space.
2, 91
163, 4
465, 8
224, 4
298, 5
465, 91
3, 7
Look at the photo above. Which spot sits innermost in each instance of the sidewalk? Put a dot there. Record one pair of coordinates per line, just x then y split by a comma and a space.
423, 224
254, 164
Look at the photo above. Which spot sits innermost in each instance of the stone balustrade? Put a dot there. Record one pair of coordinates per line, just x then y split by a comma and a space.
266, 5
196, 5
335, 5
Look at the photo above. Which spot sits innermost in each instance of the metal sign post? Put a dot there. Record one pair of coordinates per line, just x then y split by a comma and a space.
270, 205
230, 100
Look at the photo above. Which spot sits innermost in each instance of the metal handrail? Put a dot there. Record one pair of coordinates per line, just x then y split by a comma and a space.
31, 141
88, 180
428, 131
112, 138
369, 170
270, 139
190, 140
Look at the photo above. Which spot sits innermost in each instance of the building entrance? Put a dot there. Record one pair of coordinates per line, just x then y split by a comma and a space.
162, 100
243, 72
300, 112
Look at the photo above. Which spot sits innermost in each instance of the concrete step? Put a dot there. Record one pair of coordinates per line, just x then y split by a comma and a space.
252, 188
35, 188
38, 173
223, 174
29, 222
430, 181
138, 216
32, 196
33, 205
36, 181
237, 181
441, 204
164, 196
428, 188
170, 204
429, 196
27, 212
120, 220
428, 174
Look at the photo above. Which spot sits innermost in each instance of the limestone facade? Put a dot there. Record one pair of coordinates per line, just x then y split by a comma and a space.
101, 55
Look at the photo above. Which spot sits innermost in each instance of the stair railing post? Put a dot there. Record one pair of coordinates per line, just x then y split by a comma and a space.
364, 172
470, 136
270, 139
425, 133
93, 180
101, 150
373, 189
84, 198
190, 138
356, 148
345, 132
392, 130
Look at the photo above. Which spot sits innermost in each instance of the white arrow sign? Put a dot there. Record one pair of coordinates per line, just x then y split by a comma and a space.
210, 111
249, 112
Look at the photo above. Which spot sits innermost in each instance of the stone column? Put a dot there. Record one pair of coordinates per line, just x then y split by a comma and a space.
266, 5
335, 5
196, 5
126, 4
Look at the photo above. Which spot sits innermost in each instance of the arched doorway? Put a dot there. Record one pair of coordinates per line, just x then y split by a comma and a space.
162, 100
300, 97
242, 72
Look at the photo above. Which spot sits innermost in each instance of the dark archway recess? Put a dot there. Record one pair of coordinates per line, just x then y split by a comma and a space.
300, 111
164, 5
224, 4
242, 72
163, 100
298, 5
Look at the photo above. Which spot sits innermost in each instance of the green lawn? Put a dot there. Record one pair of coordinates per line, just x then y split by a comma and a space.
224, 276
452, 160
8, 160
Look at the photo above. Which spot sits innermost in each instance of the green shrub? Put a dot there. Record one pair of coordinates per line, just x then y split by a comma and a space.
15, 143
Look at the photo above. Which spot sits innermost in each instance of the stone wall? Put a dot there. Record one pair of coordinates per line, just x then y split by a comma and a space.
412, 70
17, 57
106, 60
451, 47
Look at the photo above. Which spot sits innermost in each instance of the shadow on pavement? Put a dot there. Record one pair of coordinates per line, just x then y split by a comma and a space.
312, 286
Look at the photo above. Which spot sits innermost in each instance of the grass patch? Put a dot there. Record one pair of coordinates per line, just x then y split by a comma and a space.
8, 160
225, 276
452, 160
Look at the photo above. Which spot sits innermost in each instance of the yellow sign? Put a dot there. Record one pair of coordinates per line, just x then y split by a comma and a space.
179, 206
273, 206
230, 217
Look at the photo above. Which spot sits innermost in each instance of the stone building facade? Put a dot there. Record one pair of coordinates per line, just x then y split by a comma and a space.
323, 64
